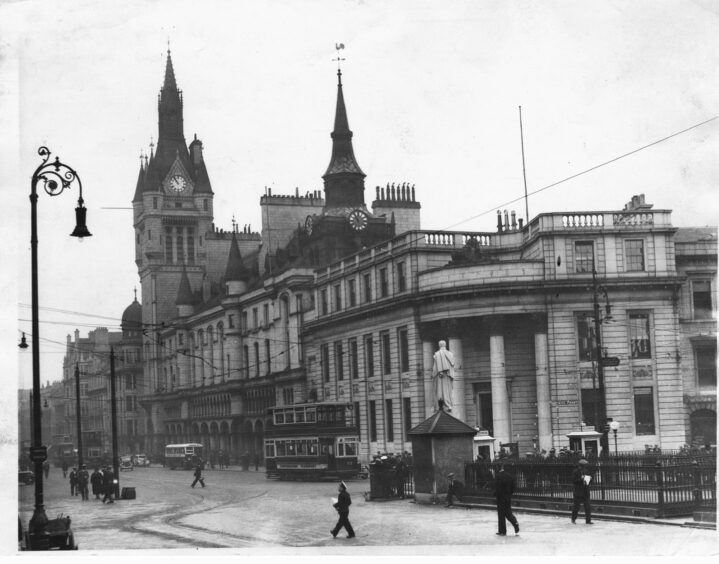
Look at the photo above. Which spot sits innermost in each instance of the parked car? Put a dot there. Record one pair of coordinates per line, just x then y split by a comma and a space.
26, 477
140, 460
126, 463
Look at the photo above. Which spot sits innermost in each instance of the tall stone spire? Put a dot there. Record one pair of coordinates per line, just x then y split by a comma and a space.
170, 108
344, 179
171, 144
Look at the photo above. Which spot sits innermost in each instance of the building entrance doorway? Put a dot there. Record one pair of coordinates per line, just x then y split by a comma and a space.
482, 392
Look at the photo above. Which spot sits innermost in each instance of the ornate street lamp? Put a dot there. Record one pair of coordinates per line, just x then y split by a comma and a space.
54, 177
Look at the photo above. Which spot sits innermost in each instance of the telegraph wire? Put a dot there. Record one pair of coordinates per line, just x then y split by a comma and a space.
573, 176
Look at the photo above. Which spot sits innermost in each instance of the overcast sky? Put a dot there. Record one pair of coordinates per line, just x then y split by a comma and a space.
432, 95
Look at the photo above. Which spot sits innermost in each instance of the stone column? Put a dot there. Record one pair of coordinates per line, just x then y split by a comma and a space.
544, 414
500, 400
430, 402
454, 345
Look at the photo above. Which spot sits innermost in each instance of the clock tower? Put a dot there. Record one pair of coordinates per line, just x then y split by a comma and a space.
172, 211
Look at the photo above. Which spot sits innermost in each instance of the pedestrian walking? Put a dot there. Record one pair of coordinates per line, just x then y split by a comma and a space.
64, 469
581, 480
96, 483
46, 468
454, 489
503, 490
83, 477
257, 462
73, 481
108, 484
342, 505
198, 476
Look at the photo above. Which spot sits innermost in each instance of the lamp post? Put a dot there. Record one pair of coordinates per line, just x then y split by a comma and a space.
113, 412
614, 426
55, 178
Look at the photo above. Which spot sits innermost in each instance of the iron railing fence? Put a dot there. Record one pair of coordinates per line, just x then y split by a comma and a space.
674, 486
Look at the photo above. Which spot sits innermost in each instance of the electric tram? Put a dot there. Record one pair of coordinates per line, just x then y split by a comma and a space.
312, 441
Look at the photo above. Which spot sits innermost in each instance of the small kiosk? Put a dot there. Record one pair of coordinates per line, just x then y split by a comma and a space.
585, 441
484, 445
440, 444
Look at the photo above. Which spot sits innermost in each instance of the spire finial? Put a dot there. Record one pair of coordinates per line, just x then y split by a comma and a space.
152, 147
339, 46
234, 224
135, 290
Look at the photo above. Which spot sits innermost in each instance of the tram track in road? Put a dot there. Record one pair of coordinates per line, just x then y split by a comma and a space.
169, 525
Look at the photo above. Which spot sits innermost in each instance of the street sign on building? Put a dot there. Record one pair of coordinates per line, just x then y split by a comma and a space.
610, 361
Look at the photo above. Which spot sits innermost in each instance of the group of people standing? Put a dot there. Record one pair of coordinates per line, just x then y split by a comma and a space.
101, 481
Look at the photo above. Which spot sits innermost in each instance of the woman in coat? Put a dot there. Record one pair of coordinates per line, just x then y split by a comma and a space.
96, 482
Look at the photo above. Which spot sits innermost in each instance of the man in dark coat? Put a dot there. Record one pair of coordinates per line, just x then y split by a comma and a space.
82, 479
454, 489
581, 479
198, 476
503, 490
73, 481
108, 484
343, 508
96, 482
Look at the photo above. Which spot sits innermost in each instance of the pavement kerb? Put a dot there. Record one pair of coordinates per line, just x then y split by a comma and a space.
677, 522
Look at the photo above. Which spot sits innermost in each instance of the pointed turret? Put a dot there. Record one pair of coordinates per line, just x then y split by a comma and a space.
140, 186
185, 301
344, 179
202, 179
237, 275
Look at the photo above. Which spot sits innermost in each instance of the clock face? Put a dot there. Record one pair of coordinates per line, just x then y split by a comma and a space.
308, 225
358, 220
178, 183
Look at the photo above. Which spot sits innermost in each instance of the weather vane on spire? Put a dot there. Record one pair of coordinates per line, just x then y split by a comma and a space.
339, 46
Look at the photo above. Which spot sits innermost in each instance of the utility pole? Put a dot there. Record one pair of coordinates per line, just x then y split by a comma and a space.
113, 412
78, 416
600, 409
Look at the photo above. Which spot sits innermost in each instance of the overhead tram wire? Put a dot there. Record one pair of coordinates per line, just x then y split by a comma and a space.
573, 176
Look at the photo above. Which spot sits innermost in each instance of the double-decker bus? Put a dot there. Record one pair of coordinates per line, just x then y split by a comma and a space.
62, 452
185, 456
312, 440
